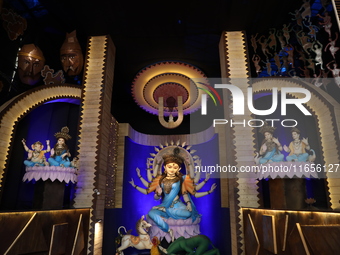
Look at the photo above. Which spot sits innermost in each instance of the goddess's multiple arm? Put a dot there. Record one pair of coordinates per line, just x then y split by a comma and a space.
187, 201
157, 170
201, 184
149, 169
145, 183
197, 174
158, 189
202, 194
144, 191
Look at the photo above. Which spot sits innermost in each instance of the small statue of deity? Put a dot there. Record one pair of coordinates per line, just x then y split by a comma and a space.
168, 186
297, 148
270, 150
60, 155
36, 156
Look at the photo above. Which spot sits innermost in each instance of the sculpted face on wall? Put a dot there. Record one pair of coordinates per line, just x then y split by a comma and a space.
71, 55
31, 61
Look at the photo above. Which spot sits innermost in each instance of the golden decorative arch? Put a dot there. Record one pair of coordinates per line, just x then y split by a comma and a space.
327, 112
16, 108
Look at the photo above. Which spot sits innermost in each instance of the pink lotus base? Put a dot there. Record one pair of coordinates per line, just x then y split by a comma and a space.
62, 174
185, 228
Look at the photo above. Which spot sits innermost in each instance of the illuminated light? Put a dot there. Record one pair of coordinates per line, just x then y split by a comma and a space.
307, 213
98, 233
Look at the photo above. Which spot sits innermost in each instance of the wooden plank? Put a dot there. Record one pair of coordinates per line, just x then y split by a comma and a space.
296, 241
58, 239
30, 239
326, 239
285, 233
252, 244
14, 234
79, 244
269, 233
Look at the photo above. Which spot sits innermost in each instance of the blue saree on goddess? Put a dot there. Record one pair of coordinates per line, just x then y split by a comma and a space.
172, 206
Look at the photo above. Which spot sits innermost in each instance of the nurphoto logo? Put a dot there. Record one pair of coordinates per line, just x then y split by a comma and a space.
238, 105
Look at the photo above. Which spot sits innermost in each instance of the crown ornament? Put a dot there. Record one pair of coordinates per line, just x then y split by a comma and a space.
294, 129
63, 134
266, 128
174, 158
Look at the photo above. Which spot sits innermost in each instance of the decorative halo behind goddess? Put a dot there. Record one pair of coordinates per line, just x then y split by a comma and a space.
173, 217
167, 153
